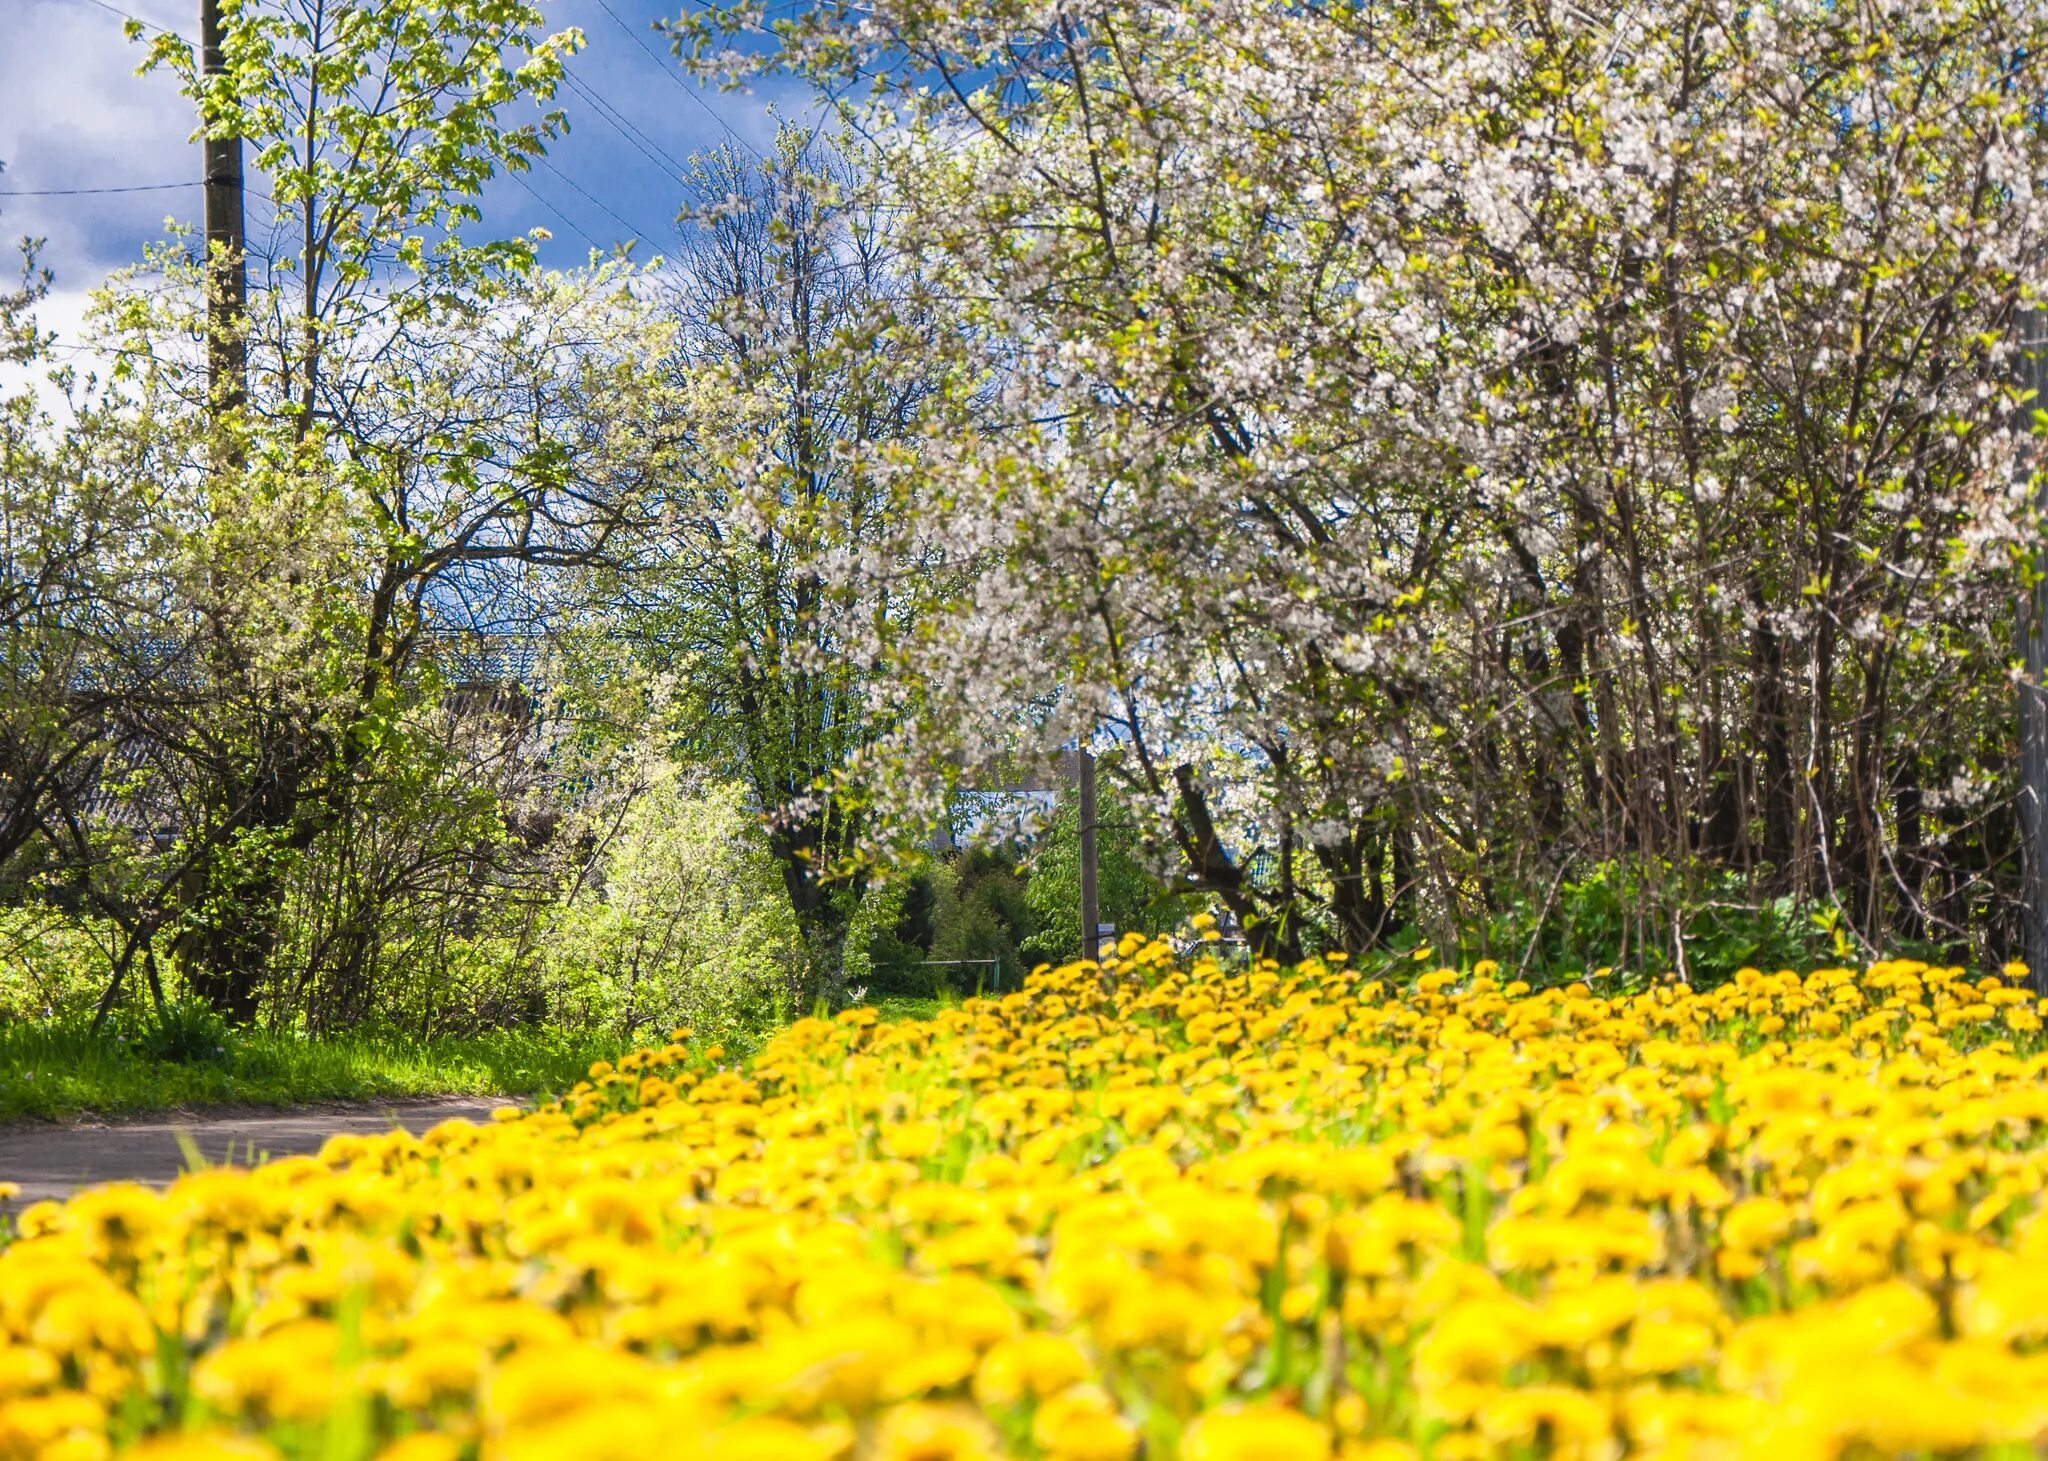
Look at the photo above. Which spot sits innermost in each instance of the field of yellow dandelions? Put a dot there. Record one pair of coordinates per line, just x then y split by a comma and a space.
1154, 1210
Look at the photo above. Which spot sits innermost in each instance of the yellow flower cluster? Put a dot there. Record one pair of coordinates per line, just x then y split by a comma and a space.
1148, 1211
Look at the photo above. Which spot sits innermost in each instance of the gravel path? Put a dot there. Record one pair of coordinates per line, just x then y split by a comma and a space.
50, 1159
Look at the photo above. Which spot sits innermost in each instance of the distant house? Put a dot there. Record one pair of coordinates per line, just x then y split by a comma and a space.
999, 801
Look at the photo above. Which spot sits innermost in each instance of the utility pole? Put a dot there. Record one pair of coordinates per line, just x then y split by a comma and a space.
198, 948
227, 281
2032, 329
1091, 913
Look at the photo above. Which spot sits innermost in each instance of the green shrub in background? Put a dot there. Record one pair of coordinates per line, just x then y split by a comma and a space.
981, 912
53, 964
1617, 920
1018, 904
944, 926
685, 921
889, 945
1130, 895
187, 1031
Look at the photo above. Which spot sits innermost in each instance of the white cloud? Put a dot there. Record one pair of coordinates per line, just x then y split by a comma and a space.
62, 314
77, 116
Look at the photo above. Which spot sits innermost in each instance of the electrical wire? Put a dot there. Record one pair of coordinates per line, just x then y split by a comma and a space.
624, 125
252, 192
519, 177
96, 192
630, 231
145, 24
607, 111
673, 75
646, 146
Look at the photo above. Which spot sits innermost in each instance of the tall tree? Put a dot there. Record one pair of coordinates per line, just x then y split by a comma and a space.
428, 422
1459, 449
786, 536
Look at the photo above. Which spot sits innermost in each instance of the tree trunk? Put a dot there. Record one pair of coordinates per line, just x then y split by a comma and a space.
822, 919
232, 909
226, 958
1210, 865
1773, 734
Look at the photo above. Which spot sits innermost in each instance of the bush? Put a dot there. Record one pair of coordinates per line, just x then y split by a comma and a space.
982, 911
186, 1032
1619, 915
684, 920
53, 964
888, 948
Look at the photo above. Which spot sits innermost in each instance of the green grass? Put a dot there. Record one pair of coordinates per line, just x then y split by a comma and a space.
59, 1070
54, 1071
908, 1007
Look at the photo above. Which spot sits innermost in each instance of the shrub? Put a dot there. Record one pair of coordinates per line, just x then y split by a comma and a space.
187, 1031
685, 922
53, 964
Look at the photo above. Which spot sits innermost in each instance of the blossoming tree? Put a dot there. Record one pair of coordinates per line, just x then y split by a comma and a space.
1447, 450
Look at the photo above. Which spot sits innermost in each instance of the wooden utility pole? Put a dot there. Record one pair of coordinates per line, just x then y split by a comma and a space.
199, 946
1091, 913
227, 280
2031, 327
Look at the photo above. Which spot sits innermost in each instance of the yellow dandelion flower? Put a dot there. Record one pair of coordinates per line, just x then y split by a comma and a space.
923, 1432
1256, 1433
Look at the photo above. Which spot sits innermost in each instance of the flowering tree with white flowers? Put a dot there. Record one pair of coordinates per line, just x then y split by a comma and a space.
1437, 452
781, 546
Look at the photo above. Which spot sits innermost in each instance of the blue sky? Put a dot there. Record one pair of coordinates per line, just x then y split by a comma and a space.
74, 116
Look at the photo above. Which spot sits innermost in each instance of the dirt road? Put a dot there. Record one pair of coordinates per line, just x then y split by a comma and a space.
52, 1160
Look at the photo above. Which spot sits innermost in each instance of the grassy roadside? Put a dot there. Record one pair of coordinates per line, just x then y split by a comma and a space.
54, 1071
907, 1007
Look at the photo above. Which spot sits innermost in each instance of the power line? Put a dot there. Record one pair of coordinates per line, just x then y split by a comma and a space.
126, 188
259, 193
518, 176
670, 72
94, 192
624, 125
618, 121
631, 231
145, 24
646, 146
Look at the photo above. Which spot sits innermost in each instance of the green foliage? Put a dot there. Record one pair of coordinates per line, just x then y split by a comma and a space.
327, 832
187, 1031
418, 910
889, 943
683, 920
1617, 920
982, 911
1129, 894
1021, 908
55, 1070
53, 965
378, 127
